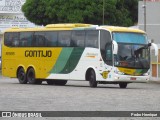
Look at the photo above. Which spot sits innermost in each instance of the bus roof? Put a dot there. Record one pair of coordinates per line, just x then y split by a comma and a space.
66, 26
121, 29
76, 26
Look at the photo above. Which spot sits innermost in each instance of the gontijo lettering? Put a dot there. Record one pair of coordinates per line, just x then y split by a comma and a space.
38, 53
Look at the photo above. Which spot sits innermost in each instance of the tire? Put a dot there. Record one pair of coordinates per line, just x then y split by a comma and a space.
31, 76
60, 82
123, 85
92, 79
21, 76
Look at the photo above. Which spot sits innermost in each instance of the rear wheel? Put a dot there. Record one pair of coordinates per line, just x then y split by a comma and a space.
123, 85
21, 76
31, 77
92, 79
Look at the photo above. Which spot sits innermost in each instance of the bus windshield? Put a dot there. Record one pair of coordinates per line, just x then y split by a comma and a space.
133, 51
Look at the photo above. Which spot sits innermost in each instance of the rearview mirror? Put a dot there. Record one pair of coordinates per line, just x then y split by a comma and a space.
155, 48
115, 47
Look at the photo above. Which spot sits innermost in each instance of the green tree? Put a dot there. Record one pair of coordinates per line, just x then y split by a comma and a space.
42, 12
132, 7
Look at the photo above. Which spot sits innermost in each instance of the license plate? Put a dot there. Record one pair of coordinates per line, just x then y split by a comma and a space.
133, 78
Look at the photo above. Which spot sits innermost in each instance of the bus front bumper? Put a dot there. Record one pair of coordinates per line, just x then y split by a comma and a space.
128, 78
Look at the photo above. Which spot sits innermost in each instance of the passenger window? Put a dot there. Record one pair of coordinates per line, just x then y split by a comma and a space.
12, 39
26, 39
78, 38
64, 38
92, 38
40, 39
7, 39
52, 38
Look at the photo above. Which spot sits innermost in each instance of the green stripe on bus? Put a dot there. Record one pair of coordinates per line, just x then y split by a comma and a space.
73, 60
68, 60
62, 60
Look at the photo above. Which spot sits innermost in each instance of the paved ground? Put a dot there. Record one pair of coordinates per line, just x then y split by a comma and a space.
78, 96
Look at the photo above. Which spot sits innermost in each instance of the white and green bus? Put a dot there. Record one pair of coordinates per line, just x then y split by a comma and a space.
57, 53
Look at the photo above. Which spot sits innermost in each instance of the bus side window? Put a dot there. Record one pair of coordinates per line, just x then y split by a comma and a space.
108, 51
106, 47
64, 38
51, 38
15, 39
8, 39
23, 42
15, 42
40, 39
11, 39
78, 38
92, 38
26, 39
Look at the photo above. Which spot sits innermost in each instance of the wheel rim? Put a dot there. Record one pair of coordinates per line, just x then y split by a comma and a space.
31, 76
21, 75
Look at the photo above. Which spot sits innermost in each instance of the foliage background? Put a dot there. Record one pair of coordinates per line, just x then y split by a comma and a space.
117, 12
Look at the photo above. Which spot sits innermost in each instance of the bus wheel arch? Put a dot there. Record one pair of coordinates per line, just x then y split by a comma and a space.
21, 75
91, 77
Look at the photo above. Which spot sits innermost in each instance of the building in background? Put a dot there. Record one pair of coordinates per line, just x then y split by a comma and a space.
12, 16
152, 18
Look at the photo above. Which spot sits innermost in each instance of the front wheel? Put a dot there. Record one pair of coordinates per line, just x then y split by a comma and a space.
92, 79
123, 85
21, 76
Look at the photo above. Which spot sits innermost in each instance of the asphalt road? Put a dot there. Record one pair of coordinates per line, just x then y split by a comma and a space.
78, 96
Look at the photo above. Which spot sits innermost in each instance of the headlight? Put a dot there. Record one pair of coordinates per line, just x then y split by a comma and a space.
146, 74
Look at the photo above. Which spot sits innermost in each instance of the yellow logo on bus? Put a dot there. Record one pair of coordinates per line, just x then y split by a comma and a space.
105, 74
